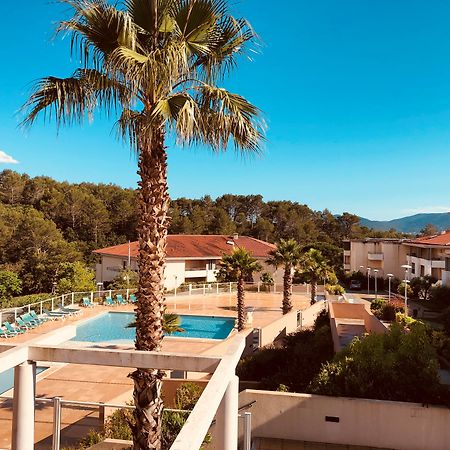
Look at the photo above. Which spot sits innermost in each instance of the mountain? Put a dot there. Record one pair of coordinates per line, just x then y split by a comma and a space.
410, 224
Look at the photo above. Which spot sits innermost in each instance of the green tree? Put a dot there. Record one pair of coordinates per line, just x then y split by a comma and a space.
164, 57
127, 279
10, 284
75, 277
313, 267
288, 255
421, 286
394, 366
428, 230
240, 265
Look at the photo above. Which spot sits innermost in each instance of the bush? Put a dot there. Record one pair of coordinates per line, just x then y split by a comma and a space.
440, 295
10, 284
25, 300
445, 318
397, 365
377, 304
335, 289
295, 364
387, 310
401, 289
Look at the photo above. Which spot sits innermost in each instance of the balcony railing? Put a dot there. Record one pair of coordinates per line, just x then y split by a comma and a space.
375, 256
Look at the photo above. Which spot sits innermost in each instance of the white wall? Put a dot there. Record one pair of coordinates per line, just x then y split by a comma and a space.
174, 268
371, 423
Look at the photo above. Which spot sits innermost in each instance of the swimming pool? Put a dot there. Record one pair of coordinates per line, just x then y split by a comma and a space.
7, 378
112, 327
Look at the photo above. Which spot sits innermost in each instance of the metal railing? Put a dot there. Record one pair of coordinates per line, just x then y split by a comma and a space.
59, 402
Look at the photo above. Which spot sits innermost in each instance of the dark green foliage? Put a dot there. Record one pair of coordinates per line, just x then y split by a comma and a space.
440, 296
293, 365
386, 310
421, 286
10, 284
445, 318
398, 365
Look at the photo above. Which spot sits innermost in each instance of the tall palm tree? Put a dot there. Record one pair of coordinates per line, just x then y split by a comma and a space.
288, 255
314, 267
240, 265
156, 64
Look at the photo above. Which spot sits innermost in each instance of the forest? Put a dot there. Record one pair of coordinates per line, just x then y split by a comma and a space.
45, 224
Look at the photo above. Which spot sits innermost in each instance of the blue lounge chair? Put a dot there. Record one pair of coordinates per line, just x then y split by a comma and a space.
109, 301
120, 300
4, 333
69, 310
30, 320
41, 319
13, 329
87, 302
25, 326
133, 298
55, 314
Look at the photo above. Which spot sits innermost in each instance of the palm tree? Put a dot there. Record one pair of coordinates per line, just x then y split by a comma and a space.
239, 266
156, 64
314, 267
171, 323
288, 255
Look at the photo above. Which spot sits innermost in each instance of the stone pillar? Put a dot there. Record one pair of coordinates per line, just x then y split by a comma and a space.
227, 417
23, 406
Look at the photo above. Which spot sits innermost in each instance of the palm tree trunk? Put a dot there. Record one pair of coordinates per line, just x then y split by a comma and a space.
240, 303
287, 289
152, 231
313, 291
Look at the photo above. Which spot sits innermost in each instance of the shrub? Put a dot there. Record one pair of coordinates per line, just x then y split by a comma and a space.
388, 309
401, 289
10, 284
445, 318
440, 295
295, 364
335, 289
377, 304
394, 366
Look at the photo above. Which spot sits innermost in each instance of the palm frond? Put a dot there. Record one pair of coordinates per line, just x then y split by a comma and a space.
68, 100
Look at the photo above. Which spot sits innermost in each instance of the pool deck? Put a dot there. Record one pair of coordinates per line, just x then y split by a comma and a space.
110, 384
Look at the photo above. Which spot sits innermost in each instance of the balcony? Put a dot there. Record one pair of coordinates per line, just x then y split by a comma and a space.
438, 264
195, 272
375, 256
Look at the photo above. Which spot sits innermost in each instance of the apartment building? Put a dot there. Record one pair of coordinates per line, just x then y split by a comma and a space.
190, 258
429, 255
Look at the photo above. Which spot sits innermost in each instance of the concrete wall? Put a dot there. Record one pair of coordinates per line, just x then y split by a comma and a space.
284, 325
371, 423
174, 268
309, 315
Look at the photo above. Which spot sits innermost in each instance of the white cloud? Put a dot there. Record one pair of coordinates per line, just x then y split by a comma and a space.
6, 159
428, 209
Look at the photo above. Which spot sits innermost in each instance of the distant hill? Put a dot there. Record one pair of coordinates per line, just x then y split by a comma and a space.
410, 224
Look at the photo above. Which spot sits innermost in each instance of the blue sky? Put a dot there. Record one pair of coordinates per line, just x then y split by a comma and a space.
356, 95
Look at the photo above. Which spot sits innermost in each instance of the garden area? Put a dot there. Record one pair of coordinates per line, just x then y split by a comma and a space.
400, 365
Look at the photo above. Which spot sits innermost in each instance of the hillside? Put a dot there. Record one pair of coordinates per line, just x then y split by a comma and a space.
410, 224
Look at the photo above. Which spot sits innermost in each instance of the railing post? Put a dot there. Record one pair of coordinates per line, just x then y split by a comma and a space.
230, 288
42, 307
15, 314
175, 291
92, 297
29, 310
217, 288
56, 440
259, 286
23, 406
227, 417
73, 298
62, 300
204, 289
247, 416
128, 294
53, 304
110, 293
101, 413
190, 289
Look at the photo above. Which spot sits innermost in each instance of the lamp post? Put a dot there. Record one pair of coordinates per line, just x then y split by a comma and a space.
389, 275
376, 287
406, 281
368, 280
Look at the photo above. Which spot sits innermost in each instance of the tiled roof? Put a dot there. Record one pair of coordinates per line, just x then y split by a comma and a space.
438, 239
197, 246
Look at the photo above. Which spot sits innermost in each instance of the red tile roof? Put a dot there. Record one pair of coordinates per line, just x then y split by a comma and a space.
438, 239
197, 246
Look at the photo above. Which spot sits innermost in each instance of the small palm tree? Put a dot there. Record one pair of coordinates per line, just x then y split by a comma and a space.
156, 65
171, 324
288, 255
240, 265
314, 267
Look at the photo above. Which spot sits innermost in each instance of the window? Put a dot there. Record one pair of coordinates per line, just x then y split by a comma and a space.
447, 264
422, 270
413, 268
347, 245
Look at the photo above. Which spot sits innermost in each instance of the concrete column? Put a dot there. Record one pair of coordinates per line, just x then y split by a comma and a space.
23, 406
227, 417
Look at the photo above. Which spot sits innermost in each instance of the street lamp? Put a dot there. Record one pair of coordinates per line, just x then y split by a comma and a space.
376, 288
406, 281
390, 275
368, 280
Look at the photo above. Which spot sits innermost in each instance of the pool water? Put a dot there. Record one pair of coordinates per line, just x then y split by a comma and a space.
112, 327
7, 378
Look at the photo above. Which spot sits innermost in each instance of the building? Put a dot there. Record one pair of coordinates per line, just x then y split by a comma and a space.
429, 255
190, 258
